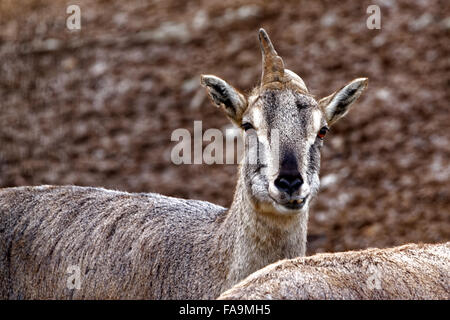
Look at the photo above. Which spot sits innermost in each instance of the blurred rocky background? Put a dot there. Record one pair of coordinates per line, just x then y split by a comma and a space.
97, 107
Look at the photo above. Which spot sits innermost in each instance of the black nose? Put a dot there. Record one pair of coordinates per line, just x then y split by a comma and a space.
289, 183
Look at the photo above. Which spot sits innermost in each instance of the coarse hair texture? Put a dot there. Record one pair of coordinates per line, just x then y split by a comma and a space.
413, 271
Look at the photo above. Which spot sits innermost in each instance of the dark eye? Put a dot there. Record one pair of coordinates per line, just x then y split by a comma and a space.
322, 132
247, 126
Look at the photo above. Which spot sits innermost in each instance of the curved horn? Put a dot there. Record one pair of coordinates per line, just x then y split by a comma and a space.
273, 66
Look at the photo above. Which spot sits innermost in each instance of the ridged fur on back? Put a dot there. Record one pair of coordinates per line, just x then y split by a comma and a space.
128, 246
414, 271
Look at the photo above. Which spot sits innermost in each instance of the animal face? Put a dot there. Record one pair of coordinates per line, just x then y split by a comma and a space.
283, 128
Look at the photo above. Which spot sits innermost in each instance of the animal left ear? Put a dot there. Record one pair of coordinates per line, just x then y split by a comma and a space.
337, 104
226, 97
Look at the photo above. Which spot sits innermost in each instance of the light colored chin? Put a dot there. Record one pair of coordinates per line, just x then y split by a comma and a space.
286, 211
277, 209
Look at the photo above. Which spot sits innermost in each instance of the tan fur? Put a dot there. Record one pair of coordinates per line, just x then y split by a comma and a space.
414, 271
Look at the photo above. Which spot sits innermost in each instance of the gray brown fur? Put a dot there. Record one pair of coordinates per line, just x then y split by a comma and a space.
414, 271
128, 246
125, 244
154, 247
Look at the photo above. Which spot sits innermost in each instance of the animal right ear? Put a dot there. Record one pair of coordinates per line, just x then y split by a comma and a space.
225, 96
337, 104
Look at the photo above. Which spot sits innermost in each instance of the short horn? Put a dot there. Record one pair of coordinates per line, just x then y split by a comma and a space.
273, 66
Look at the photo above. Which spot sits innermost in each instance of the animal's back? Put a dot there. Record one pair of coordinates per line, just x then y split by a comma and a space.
414, 271
125, 245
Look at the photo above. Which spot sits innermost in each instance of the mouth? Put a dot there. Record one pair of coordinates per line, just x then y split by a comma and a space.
293, 204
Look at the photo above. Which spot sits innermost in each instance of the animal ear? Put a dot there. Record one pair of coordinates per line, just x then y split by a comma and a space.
225, 96
337, 104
